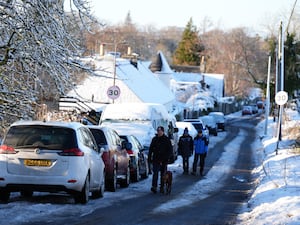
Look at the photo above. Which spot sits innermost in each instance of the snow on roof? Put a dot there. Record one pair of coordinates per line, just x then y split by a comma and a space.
137, 84
134, 111
144, 83
214, 81
165, 65
142, 131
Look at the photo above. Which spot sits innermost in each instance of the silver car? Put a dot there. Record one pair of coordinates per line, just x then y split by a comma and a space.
51, 157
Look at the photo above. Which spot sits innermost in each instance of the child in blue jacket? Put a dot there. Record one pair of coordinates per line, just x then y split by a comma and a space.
201, 148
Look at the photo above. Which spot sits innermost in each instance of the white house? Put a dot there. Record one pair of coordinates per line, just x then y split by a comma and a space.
193, 91
143, 82
135, 81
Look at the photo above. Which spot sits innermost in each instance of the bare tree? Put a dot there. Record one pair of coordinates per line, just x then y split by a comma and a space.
237, 55
37, 51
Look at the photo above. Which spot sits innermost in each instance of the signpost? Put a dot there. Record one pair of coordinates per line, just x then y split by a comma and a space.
281, 98
113, 92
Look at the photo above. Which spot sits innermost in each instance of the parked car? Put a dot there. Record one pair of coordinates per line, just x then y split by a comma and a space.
254, 109
138, 158
199, 125
181, 125
51, 157
115, 156
247, 110
172, 133
141, 120
260, 104
211, 124
220, 119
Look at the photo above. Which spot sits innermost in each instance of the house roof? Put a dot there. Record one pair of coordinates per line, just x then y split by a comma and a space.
214, 81
161, 65
143, 82
135, 82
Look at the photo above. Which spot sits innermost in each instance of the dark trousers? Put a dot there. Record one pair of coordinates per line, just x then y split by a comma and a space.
202, 162
185, 163
158, 168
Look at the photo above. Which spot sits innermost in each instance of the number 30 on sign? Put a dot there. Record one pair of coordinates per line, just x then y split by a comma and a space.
281, 97
113, 92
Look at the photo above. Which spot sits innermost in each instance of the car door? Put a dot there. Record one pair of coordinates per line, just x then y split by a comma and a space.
94, 157
140, 149
122, 155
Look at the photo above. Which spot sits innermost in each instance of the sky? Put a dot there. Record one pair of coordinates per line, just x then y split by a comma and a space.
275, 201
224, 14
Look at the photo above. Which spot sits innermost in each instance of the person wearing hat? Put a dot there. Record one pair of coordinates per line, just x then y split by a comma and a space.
185, 149
160, 151
201, 148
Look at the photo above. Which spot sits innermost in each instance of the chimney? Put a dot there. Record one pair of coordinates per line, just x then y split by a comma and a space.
102, 50
129, 50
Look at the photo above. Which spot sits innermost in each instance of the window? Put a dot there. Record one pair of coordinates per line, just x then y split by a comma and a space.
51, 137
99, 136
87, 138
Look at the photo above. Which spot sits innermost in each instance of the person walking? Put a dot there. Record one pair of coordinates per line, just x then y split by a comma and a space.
201, 148
185, 149
160, 152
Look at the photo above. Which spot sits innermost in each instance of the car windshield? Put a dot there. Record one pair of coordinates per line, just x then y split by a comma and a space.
47, 137
198, 126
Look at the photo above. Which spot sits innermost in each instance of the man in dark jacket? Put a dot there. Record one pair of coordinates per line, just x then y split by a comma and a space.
160, 152
185, 149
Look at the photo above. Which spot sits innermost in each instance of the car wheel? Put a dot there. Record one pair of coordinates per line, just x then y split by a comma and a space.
26, 193
102, 186
83, 196
215, 133
4, 196
100, 192
125, 182
146, 173
111, 184
136, 174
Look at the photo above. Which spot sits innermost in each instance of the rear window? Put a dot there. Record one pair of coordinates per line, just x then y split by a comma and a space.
41, 136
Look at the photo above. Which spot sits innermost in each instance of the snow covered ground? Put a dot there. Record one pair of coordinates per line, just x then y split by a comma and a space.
276, 200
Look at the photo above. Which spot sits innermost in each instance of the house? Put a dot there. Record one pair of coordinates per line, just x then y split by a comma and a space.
193, 91
145, 82
134, 80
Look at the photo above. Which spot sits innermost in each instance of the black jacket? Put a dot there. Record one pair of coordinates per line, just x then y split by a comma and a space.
185, 145
160, 149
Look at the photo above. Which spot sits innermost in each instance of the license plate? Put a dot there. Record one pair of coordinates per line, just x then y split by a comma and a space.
37, 162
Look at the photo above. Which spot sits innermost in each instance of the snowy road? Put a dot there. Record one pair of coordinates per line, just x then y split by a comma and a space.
124, 206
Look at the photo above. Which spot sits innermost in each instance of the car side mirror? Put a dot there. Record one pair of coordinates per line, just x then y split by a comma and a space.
176, 129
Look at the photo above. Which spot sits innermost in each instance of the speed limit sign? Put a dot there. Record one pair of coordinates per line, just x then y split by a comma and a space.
281, 97
113, 92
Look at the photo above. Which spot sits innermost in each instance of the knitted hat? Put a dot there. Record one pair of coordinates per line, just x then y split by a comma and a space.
186, 131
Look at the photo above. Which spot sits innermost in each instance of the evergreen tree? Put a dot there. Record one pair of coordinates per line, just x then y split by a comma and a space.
292, 69
189, 48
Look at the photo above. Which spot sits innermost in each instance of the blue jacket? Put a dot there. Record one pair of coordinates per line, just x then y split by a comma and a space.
201, 144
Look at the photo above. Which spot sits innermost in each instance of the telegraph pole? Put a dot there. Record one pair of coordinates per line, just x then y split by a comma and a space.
268, 97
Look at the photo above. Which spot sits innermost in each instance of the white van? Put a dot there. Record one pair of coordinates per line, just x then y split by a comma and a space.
148, 116
139, 119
